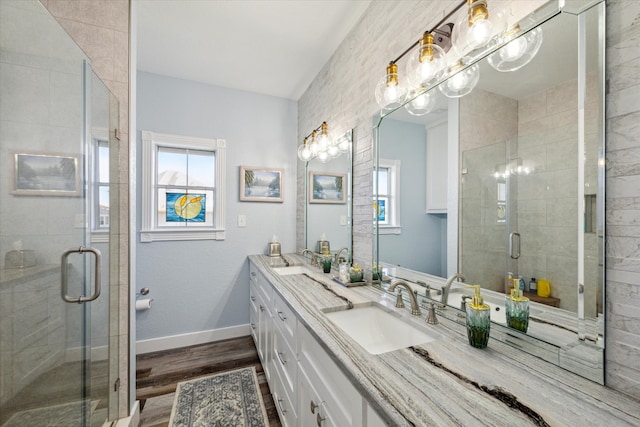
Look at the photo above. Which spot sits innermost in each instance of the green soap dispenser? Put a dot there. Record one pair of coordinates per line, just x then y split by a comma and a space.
478, 320
517, 310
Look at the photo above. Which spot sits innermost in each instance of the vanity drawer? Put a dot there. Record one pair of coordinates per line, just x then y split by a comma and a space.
285, 320
254, 273
284, 403
266, 290
285, 362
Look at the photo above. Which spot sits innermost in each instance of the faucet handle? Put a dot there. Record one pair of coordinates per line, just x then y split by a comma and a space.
432, 318
399, 300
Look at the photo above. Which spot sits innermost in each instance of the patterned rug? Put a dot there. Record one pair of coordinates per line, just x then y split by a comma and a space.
228, 399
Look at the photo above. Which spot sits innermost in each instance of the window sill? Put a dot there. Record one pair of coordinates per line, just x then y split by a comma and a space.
390, 229
171, 235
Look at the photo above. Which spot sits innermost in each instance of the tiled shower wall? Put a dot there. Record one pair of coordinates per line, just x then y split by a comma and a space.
101, 29
342, 93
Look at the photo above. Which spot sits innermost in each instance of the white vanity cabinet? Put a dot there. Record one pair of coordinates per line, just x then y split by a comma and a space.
260, 301
307, 386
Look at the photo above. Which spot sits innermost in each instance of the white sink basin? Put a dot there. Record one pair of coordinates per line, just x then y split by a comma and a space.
294, 269
378, 330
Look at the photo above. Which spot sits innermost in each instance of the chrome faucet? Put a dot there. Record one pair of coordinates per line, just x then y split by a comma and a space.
314, 257
338, 254
447, 286
415, 309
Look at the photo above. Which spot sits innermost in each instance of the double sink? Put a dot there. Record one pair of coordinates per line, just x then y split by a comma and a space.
375, 327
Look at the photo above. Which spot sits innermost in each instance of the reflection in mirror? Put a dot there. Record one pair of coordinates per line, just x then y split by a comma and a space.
527, 147
328, 201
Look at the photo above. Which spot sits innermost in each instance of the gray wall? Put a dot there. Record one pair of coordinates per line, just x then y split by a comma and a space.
418, 246
260, 131
342, 93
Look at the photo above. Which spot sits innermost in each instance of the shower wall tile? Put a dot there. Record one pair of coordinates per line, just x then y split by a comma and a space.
96, 42
25, 94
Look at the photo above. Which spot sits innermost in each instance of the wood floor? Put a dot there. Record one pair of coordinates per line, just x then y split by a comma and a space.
157, 375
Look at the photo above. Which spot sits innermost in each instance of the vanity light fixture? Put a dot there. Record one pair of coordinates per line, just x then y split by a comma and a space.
319, 144
519, 51
479, 27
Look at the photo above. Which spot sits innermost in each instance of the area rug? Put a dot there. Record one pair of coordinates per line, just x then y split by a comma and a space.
228, 399
66, 414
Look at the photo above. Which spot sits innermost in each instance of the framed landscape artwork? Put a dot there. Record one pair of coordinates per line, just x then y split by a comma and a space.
259, 184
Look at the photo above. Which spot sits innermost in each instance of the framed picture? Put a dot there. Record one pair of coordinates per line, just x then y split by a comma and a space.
261, 184
46, 174
327, 187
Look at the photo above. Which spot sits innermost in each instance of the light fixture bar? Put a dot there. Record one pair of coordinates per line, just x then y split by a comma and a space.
436, 28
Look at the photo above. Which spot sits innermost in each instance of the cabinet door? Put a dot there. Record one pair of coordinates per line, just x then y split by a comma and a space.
342, 403
312, 411
264, 337
253, 313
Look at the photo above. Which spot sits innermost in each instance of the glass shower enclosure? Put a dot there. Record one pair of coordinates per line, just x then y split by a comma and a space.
57, 121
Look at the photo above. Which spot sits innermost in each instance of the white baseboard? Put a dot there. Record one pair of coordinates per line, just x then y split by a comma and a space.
193, 338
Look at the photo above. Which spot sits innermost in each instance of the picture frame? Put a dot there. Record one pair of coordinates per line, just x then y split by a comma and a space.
261, 184
46, 174
327, 187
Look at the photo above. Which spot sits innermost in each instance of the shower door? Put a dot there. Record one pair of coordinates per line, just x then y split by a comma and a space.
55, 121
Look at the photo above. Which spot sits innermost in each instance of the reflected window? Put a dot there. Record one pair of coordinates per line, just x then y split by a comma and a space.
100, 190
386, 206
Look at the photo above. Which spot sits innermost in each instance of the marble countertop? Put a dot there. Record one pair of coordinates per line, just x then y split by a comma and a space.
447, 382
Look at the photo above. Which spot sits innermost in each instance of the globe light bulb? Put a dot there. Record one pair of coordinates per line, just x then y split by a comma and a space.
519, 51
421, 104
333, 151
390, 93
323, 156
479, 33
344, 144
461, 81
476, 30
426, 65
513, 50
304, 153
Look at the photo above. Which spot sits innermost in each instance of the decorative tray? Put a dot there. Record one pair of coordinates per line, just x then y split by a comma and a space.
350, 284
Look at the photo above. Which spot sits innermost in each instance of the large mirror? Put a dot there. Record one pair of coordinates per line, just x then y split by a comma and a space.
328, 201
508, 181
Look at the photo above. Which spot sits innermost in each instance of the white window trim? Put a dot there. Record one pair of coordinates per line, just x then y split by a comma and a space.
149, 231
97, 235
394, 175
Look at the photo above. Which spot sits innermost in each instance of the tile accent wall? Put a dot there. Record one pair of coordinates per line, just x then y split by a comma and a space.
623, 196
101, 29
342, 93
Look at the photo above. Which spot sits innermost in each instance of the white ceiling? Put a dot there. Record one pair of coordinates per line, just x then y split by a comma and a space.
273, 47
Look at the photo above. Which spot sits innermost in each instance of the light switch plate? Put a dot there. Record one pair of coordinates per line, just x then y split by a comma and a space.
242, 220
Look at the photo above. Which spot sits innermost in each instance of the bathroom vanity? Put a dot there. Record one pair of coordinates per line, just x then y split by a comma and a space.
319, 374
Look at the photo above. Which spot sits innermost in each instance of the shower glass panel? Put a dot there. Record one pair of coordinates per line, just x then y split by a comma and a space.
55, 295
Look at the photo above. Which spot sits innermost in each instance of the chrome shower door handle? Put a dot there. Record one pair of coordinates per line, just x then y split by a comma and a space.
514, 245
64, 276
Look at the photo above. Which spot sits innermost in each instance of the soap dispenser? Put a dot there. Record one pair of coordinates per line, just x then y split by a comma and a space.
517, 310
478, 320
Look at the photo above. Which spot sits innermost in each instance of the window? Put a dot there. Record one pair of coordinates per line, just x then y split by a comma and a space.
183, 185
386, 185
100, 194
